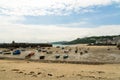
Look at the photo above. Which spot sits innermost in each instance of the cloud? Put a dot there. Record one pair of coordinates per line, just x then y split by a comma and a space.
47, 33
83, 23
105, 30
49, 7
6, 20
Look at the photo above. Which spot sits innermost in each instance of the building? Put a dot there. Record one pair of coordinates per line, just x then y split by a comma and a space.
107, 41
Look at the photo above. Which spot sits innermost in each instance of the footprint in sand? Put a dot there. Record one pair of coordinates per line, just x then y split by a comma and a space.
3, 70
25, 73
39, 73
100, 72
79, 75
60, 76
32, 72
34, 75
50, 74
15, 70
20, 72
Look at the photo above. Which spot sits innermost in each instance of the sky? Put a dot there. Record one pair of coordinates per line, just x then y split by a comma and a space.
40, 21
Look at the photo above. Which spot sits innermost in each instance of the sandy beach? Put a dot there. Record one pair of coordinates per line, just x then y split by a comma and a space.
15, 69
26, 70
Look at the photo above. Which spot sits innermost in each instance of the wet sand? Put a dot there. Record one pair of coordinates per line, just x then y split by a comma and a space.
26, 70
75, 53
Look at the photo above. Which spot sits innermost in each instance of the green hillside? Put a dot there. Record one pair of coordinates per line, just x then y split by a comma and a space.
88, 40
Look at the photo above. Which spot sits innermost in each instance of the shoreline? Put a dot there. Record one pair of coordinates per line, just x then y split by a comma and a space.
58, 61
